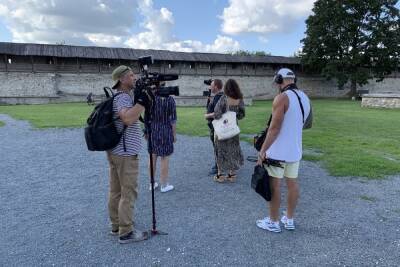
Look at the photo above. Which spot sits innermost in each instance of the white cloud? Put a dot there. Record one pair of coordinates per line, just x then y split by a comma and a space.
102, 23
158, 35
263, 16
88, 22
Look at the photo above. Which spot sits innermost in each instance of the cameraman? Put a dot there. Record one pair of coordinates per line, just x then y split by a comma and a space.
216, 90
123, 159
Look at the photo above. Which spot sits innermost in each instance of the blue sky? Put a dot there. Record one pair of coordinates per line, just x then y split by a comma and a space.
181, 25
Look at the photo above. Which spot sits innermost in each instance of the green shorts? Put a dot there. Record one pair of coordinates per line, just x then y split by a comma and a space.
289, 170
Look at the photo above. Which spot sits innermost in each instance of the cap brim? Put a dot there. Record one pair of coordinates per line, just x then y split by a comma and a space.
115, 85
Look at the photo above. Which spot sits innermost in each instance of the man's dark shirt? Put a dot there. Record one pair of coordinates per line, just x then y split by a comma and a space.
211, 107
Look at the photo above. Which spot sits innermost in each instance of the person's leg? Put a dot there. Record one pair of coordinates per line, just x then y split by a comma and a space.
128, 173
275, 200
164, 170
165, 186
291, 173
214, 168
154, 164
292, 197
114, 196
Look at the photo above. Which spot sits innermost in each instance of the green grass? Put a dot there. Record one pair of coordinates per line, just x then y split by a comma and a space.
348, 140
1, 123
52, 115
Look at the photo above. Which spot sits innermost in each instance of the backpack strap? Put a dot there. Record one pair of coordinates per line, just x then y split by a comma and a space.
113, 95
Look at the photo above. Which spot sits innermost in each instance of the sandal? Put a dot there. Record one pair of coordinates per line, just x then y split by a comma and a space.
219, 178
231, 178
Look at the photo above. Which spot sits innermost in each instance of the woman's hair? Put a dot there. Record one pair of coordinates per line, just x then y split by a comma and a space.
232, 89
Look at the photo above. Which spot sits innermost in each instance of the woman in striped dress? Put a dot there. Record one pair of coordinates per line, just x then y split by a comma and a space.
163, 136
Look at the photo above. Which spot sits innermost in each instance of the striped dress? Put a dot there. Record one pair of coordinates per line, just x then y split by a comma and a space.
164, 116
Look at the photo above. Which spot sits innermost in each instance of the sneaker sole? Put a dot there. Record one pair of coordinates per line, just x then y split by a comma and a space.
291, 228
269, 229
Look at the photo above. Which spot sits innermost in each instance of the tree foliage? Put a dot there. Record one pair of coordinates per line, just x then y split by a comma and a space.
352, 40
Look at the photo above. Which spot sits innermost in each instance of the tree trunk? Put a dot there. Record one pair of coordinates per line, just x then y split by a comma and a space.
353, 88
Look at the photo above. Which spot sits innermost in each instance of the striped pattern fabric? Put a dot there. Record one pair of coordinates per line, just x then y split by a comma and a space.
133, 133
164, 116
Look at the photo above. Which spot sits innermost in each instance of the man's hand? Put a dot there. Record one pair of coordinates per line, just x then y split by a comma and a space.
145, 98
261, 158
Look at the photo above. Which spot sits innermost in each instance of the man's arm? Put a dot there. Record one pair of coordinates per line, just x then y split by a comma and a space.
131, 115
279, 107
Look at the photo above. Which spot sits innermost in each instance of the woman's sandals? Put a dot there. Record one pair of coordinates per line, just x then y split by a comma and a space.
219, 178
231, 178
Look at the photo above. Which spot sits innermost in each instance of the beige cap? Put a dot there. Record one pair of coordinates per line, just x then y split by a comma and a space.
117, 73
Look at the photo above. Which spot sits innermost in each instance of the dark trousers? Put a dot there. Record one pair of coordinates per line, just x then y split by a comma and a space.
213, 142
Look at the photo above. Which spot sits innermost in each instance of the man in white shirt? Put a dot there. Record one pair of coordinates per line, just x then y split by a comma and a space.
283, 143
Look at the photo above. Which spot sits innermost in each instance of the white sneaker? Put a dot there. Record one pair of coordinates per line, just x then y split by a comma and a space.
155, 186
288, 223
269, 225
166, 188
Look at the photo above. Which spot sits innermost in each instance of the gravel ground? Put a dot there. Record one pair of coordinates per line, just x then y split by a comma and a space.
53, 195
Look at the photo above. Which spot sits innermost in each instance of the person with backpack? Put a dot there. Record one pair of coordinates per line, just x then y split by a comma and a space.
123, 158
283, 145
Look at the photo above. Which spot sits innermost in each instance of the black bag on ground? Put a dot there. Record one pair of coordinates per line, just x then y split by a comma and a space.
260, 182
101, 133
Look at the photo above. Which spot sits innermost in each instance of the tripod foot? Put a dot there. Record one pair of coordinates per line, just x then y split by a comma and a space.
157, 232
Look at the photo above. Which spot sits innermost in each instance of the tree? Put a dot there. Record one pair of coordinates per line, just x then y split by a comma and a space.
352, 40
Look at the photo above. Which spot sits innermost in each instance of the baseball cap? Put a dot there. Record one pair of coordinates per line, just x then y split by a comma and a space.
117, 73
286, 73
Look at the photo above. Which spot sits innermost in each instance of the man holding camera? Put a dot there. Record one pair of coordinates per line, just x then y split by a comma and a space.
123, 159
283, 144
216, 90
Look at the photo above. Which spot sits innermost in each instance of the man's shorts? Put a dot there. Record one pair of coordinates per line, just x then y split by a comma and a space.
289, 170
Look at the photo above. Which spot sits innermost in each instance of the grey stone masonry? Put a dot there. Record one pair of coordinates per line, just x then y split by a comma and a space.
381, 100
28, 87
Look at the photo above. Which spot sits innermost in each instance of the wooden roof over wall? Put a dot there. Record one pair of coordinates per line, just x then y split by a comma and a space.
69, 51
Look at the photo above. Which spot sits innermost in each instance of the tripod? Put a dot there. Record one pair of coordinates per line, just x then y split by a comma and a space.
148, 119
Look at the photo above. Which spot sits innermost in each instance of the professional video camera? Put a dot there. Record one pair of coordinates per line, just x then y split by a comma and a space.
152, 80
208, 92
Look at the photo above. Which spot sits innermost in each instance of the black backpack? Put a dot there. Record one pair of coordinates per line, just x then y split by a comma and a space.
101, 133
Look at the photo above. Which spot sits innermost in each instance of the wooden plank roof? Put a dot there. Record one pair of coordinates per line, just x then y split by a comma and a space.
69, 51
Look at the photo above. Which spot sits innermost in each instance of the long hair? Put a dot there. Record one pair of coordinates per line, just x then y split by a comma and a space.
232, 89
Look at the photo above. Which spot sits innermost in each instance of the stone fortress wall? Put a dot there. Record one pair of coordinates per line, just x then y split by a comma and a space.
36, 88
36, 73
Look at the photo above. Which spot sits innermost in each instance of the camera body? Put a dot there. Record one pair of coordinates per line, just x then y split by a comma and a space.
208, 82
152, 80
208, 92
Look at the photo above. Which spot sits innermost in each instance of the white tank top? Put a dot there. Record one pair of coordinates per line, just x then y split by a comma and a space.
288, 145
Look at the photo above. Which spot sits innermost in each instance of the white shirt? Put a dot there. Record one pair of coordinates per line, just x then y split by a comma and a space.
288, 145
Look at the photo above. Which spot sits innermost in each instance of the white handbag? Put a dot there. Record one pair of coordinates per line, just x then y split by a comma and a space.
226, 127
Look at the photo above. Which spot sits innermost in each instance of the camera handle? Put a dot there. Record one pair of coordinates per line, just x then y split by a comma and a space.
208, 98
147, 123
